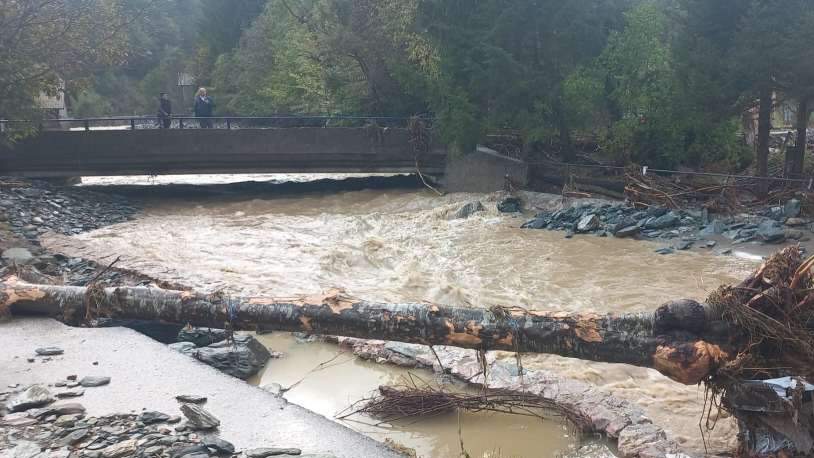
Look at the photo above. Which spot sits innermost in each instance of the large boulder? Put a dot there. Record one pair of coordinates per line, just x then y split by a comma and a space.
588, 223
792, 208
35, 396
663, 222
241, 358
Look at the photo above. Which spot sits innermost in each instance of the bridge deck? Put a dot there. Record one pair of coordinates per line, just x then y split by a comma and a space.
194, 151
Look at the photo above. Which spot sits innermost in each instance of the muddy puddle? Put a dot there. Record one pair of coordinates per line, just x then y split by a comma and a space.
403, 245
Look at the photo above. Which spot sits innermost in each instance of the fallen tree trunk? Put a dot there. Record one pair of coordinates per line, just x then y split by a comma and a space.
666, 341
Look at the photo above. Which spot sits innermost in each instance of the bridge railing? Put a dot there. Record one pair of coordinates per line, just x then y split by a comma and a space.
212, 122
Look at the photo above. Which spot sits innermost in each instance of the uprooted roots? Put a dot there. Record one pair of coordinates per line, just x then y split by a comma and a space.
411, 400
772, 312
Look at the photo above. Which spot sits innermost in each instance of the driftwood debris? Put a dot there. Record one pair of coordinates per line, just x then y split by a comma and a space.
667, 341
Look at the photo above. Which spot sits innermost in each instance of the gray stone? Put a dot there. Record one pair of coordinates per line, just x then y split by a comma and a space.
628, 231
264, 452
242, 358
682, 245
795, 222
18, 255
665, 250
509, 205
124, 448
536, 223
663, 222
67, 420
155, 450
17, 419
190, 451
150, 417
93, 381
70, 394
771, 232
219, 445
711, 243
714, 228
201, 337
49, 351
191, 398
274, 388
187, 348
74, 437
588, 223
35, 396
792, 208
198, 418
468, 210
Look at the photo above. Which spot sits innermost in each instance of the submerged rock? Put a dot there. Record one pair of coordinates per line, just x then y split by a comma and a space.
49, 351
468, 210
265, 452
509, 205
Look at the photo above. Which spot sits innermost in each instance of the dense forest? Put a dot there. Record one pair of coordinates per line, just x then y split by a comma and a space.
667, 82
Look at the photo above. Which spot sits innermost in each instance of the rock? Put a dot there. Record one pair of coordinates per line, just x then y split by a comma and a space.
663, 222
155, 450
711, 244
219, 445
93, 381
35, 396
17, 255
49, 351
17, 419
569, 234
536, 223
191, 398
509, 205
725, 252
71, 408
68, 420
201, 337
771, 232
274, 388
714, 228
682, 245
792, 208
468, 210
124, 448
152, 417
198, 418
264, 452
588, 223
190, 451
187, 348
794, 234
665, 250
70, 394
794, 222
628, 231
242, 359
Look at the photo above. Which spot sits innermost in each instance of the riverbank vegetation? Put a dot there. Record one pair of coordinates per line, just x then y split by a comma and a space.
667, 83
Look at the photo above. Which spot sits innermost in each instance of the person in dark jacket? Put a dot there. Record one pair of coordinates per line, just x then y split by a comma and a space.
164, 111
203, 108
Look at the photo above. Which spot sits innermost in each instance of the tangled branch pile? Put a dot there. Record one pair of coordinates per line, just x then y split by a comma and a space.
717, 194
772, 314
393, 403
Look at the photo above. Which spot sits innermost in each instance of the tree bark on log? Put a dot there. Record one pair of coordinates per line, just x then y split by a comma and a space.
667, 340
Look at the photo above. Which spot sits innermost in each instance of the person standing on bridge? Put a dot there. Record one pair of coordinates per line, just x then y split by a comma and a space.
203, 108
164, 111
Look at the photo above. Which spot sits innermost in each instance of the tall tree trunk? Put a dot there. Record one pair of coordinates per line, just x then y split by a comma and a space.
566, 145
666, 341
797, 160
764, 129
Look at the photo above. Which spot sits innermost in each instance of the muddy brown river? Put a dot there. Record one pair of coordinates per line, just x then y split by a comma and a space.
401, 245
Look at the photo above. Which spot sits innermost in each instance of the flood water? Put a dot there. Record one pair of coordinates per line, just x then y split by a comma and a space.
401, 245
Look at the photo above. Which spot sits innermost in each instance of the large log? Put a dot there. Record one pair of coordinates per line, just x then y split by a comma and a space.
667, 340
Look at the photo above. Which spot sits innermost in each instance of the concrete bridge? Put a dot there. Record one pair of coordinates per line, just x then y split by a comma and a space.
88, 152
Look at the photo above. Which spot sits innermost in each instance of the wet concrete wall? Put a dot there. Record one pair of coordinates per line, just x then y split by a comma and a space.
483, 170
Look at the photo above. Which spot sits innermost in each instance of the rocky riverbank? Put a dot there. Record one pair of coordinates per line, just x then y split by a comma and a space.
678, 230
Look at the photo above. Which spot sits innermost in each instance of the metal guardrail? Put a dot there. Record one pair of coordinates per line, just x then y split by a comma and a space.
215, 122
